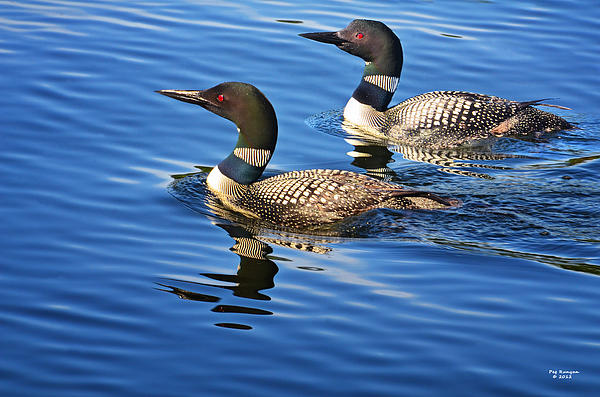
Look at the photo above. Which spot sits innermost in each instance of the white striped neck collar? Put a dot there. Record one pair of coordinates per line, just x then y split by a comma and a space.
386, 83
245, 165
376, 90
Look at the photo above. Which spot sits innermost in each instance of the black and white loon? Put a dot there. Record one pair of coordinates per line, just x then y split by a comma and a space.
297, 199
434, 119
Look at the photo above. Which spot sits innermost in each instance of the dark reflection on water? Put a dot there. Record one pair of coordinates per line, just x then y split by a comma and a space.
188, 295
233, 326
574, 264
254, 274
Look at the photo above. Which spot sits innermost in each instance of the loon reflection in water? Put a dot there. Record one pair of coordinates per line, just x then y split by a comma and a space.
374, 153
439, 119
255, 273
374, 157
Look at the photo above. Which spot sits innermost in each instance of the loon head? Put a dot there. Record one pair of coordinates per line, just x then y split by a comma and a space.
241, 103
370, 40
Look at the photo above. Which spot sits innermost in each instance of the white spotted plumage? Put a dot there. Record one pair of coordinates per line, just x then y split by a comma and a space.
312, 197
441, 119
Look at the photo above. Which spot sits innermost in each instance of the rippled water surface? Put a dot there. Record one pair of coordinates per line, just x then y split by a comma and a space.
120, 277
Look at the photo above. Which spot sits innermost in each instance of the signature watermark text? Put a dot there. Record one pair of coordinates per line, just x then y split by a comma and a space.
561, 374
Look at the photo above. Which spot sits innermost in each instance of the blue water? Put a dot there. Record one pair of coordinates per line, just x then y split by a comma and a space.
98, 248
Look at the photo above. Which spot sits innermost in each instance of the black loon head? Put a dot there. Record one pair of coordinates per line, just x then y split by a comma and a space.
241, 103
370, 40
255, 118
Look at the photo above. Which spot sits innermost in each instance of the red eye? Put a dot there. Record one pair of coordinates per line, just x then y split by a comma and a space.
220, 98
359, 36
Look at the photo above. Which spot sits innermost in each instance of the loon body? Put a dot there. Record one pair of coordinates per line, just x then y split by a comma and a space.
434, 119
297, 199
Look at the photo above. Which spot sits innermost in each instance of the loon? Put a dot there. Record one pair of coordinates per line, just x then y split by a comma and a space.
435, 119
296, 199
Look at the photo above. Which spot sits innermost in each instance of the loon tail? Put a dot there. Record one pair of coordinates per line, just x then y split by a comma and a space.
538, 103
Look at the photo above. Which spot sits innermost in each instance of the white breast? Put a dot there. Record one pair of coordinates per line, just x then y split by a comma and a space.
363, 115
222, 185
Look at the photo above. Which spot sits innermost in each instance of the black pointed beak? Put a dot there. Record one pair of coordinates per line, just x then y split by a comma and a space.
190, 96
325, 37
